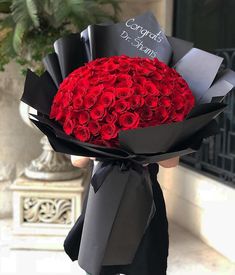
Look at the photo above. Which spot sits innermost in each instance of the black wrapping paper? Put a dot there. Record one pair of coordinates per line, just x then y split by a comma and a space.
139, 36
120, 190
201, 73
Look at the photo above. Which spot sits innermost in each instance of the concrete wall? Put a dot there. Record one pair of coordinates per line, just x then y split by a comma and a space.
202, 205
162, 9
18, 143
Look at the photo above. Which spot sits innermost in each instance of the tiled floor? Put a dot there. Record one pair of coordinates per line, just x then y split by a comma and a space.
187, 256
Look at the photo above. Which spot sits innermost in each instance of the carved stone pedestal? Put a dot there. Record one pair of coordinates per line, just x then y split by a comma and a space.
44, 212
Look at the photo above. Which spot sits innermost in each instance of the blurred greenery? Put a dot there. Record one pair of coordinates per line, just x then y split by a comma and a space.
28, 28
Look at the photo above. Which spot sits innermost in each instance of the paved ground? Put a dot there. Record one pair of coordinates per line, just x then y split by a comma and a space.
187, 256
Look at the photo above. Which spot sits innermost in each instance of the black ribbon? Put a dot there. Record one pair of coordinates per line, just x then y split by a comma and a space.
120, 194
107, 165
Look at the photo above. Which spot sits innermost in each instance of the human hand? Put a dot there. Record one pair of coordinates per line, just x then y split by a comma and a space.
79, 161
169, 163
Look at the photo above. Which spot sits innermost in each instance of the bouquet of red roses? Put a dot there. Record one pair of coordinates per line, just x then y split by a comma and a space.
127, 95
108, 95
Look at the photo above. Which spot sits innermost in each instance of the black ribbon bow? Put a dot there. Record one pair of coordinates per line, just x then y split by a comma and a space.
107, 165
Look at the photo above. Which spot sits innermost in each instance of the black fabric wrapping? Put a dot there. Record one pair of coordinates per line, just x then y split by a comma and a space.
106, 238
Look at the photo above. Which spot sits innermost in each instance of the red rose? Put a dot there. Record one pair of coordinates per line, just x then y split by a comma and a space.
84, 82
97, 90
151, 101
178, 116
148, 64
160, 66
57, 112
106, 99
108, 79
146, 114
166, 102
178, 101
136, 101
124, 92
94, 127
156, 76
108, 131
111, 66
67, 99
58, 97
111, 117
77, 102
140, 80
124, 67
151, 88
82, 133
123, 80
166, 90
129, 120
83, 117
161, 114
89, 100
121, 106
70, 86
69, 125
142, 70
139, 90
97, 113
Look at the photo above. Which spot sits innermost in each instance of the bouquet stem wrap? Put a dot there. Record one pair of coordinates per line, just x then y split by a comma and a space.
110, 236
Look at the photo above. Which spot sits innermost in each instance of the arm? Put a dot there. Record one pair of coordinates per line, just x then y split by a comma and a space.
79, 161
169, 163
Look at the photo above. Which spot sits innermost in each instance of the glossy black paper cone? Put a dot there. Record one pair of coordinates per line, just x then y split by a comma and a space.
199, 69
52, 65
39, 91
71, 53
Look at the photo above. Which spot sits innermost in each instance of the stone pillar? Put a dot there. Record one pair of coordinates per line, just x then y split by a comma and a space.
5, 199
7, 173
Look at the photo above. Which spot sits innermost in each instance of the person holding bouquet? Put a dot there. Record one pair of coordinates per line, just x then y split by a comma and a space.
131, 98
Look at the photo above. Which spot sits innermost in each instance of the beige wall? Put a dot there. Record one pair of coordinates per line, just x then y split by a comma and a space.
162, 9
18, 143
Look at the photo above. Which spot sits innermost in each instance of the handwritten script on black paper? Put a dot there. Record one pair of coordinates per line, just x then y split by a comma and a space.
141, 33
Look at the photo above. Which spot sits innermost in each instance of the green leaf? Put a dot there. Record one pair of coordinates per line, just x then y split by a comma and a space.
28, 31
33, 13
25, 11
19, 32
